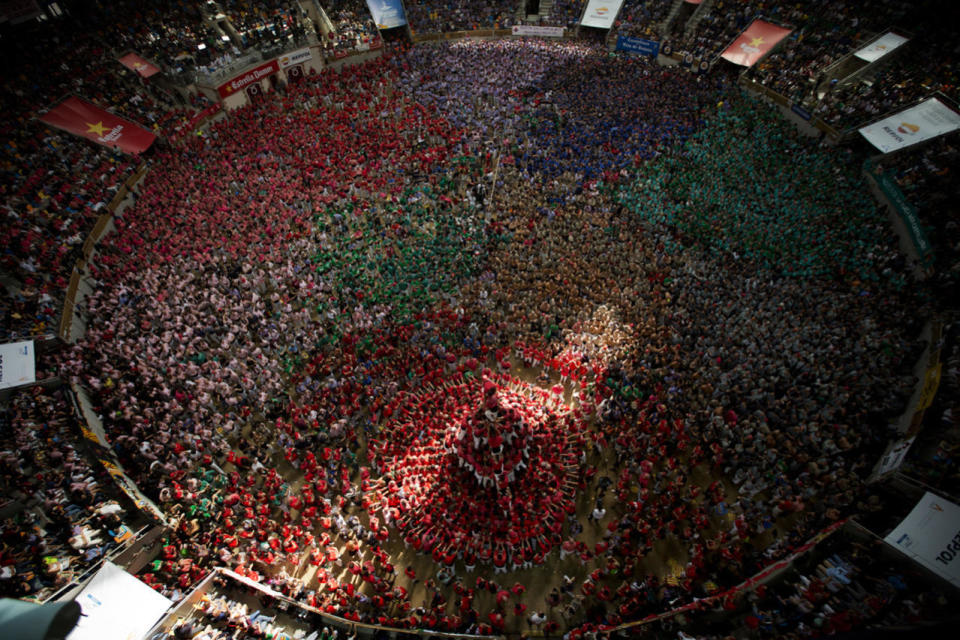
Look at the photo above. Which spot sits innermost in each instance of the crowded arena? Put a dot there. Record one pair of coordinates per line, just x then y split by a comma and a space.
571, 319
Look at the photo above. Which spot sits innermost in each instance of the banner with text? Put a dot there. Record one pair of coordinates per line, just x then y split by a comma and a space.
638, 45
543, 32
755, 42
247, 78
295, 57
921, 122
138, 65
601, 13
89, 121
931, 536
17, 364
880, 47
906, 211
387, 14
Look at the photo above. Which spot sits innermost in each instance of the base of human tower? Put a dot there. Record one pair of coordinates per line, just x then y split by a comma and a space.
482, 470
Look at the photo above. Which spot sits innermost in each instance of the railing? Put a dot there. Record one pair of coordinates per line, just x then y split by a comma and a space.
180, 610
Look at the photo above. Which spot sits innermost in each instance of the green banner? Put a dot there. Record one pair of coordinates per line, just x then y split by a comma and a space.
906, 211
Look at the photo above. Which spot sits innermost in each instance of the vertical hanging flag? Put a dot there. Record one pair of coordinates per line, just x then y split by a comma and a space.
87, 120
754, 43
138, 65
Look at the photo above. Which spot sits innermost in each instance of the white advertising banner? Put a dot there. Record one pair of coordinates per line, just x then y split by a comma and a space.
530, 30
931, 536
601, 13
117, 605
387, 14
295, 57
17, 364
880, 47
893, 457
918, 123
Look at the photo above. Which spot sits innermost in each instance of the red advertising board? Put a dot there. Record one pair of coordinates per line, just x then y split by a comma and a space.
93, 123
138, 65
754, 43
247, 78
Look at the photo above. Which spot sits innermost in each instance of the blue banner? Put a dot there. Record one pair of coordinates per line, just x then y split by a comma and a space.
638, 45
800, 111
387, 13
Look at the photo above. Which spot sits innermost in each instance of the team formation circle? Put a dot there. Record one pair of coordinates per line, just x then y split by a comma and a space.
498, 335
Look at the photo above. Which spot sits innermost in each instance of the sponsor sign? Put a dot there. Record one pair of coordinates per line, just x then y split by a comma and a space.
138, 65
17, 364
638, 45
247, 78
129, 487
756, 41
531, 30
930, 535
800, 111
116, 604
880, 47
89, 121
601, 13
926, 120
295, 57
906, 211
387, 14
893, 457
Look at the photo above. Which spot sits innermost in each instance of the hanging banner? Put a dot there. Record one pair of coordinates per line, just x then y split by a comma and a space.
17, 364
892, 458
116, 604
387, 14
89, 121
931, 536
601, 13
921, 122
531, 30
638, 45
129, 487
906, 211
755, 42
138, 65
247, 78
295, 57
880, 47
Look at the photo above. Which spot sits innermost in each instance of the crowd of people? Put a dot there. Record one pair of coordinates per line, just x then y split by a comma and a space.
308, 285
426, 16
63, 509
642, 18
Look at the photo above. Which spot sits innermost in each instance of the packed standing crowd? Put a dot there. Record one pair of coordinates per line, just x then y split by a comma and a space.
245, 368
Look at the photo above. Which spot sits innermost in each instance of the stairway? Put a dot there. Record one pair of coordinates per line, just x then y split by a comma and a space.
674, 10
546, 8
698, 15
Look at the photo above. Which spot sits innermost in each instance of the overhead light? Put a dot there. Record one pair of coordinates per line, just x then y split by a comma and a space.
201, 46
225, 38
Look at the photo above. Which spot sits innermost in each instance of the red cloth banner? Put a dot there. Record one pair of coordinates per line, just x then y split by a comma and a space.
754, 43
138, 65
93, 123
247, 78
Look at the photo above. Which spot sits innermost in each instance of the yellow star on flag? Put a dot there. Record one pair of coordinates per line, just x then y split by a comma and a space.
756, 42
98, 128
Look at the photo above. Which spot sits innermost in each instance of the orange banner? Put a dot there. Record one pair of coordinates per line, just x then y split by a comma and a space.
139, 65
754, 43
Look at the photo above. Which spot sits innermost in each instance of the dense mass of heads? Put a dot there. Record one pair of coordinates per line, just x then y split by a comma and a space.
287, 280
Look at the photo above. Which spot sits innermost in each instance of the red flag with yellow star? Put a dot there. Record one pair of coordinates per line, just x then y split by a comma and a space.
93, 123
755, 42
138, 65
